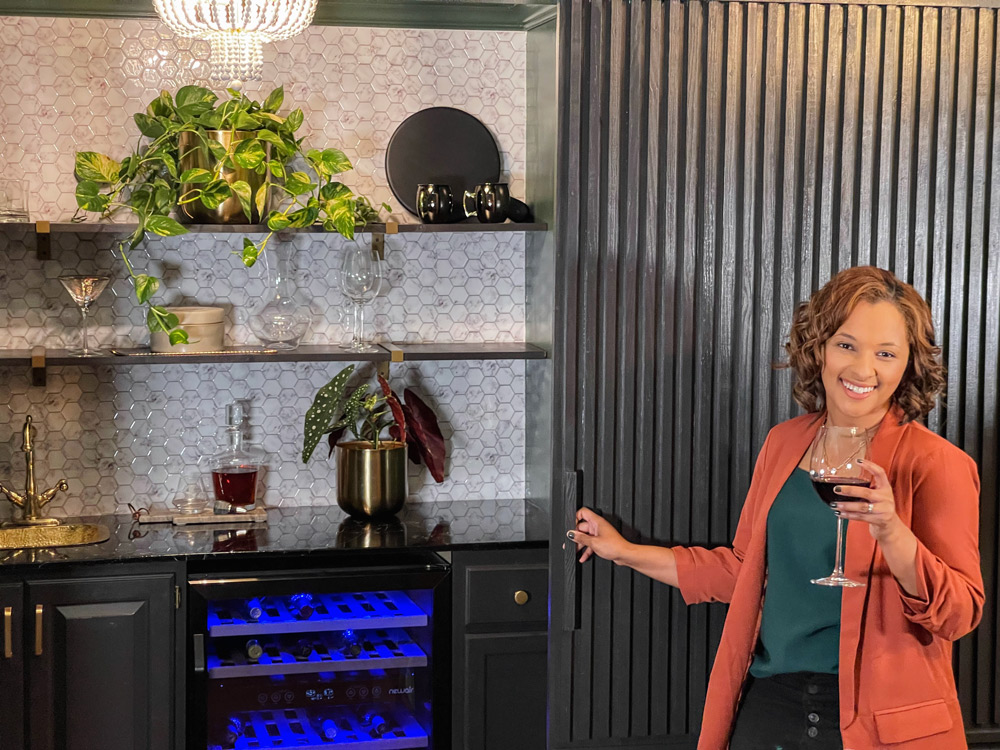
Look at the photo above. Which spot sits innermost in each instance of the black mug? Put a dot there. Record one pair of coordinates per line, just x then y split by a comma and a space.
435, 203
491, 202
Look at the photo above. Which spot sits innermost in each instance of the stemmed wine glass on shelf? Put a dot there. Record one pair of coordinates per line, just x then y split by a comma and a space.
834, 461
85, 290
361, 280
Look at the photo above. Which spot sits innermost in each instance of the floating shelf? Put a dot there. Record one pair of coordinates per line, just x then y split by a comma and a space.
44, 230
383, 649
105, 227
500, 15
296, 727
343, 611
40, 358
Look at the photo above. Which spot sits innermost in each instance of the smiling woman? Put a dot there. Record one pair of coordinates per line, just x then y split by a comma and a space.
865, 328
820, 666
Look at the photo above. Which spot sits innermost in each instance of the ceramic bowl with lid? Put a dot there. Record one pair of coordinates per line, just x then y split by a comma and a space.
205, 328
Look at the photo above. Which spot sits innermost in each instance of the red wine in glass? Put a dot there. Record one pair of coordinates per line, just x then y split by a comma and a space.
834, 460
825, 487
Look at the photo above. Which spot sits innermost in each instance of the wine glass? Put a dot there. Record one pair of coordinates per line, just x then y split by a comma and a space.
834, 461
85, 290
361, 279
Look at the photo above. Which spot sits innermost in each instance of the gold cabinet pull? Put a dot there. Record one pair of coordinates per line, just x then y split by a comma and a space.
39, 613
8, 646
521, 597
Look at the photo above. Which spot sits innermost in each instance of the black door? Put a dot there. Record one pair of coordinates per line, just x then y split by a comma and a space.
101, 658
504, 705
11, 667
719, 162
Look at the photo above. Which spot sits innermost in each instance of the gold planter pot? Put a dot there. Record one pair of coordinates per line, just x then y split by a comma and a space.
194, 154
371, 482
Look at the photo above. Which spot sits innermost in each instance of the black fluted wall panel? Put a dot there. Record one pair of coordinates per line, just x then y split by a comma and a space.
718, 162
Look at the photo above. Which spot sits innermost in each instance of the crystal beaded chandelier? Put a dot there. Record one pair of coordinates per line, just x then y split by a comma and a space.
236, 30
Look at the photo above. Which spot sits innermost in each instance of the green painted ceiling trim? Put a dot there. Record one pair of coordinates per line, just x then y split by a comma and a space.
517, 15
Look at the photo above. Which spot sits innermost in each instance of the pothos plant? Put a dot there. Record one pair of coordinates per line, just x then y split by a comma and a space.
369, 415
148, 182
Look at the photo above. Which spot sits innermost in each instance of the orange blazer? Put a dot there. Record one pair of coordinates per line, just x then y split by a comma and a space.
897, 689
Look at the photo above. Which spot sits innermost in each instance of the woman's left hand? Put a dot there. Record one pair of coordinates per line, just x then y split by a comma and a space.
876, 505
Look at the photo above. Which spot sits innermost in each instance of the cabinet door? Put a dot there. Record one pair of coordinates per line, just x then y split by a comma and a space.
504, 703
11, 666
101, 663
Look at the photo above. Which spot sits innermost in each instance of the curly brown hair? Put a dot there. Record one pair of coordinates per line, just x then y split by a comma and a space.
818, 319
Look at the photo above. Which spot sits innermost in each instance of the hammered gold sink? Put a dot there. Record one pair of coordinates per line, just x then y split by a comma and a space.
64, 535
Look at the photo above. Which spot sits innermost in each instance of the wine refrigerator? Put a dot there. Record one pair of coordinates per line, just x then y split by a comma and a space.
320, 658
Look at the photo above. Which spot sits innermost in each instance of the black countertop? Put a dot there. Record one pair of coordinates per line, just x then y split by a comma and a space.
315, 530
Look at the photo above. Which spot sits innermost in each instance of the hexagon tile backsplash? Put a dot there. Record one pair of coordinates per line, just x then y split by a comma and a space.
73, 84
125, 434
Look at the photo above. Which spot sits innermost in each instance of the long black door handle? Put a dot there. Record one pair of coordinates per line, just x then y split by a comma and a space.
572, 501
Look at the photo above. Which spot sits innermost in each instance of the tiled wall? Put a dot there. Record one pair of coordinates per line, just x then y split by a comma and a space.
127, 433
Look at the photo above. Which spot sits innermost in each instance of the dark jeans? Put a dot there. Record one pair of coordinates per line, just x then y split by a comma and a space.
788, 712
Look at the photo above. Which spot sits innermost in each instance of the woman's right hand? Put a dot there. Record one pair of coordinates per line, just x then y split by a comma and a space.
596, 536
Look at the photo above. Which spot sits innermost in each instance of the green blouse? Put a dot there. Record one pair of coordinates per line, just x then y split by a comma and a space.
800, 626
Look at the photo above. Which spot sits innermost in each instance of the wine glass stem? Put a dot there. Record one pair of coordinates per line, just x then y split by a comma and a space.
361, 325
86, 347
838, 568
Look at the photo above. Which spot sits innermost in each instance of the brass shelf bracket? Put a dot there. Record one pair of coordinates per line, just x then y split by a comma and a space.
378, 240
38, 373
43, 240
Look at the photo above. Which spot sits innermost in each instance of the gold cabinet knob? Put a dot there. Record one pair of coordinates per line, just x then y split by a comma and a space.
521, 597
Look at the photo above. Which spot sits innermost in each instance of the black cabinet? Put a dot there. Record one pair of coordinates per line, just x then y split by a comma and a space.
500, 622
11, 667
92, 662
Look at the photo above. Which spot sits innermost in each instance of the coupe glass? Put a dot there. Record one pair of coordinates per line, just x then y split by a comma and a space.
85, 290
835, 454
361, 280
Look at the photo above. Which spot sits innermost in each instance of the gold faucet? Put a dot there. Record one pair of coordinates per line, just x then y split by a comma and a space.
32, 502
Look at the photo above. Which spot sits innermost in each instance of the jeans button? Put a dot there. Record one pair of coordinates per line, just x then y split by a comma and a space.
812, 732
812, 689
813, 718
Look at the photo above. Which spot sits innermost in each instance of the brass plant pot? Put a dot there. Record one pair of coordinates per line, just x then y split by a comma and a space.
371, 483
194, 154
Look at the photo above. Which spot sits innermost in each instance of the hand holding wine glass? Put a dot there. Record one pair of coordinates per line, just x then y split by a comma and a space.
837, 461
874, 504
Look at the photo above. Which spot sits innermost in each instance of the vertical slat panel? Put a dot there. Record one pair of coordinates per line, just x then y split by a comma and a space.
587, 640
674, 527
870, 137
720, 161
615, 402
727, 467
691, 518
768, 270
751, 419
989, 521
923, 223
811, 123
640, 223
662, 216
789, 255
978, 651
847, 250
604, 186
713, 303
565, 392
829, 203
904, 149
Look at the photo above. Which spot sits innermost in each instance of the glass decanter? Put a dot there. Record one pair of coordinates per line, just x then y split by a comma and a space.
287, 316
236, 468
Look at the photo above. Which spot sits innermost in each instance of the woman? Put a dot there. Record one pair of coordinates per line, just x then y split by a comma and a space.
857, 668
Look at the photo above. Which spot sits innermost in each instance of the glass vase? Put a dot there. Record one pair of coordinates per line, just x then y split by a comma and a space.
286, 315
